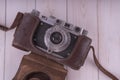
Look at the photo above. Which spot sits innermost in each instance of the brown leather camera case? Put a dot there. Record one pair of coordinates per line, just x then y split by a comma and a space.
37, 67
23, 40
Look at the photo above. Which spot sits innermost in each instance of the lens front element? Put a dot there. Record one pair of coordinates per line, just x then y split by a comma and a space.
56, 37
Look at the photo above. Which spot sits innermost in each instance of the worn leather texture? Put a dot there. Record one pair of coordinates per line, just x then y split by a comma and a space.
34, 66
16, 22
23, 40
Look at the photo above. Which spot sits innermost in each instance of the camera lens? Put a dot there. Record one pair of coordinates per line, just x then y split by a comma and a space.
56, 37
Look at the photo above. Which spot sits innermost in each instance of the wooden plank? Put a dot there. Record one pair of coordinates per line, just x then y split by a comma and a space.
13, 56
109, 36
55, 8
83, 13
2, 39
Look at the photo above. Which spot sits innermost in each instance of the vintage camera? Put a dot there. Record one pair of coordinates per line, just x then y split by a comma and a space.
53, 38
52, 42
56, 37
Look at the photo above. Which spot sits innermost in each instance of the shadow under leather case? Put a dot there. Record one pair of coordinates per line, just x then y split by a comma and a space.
23, 40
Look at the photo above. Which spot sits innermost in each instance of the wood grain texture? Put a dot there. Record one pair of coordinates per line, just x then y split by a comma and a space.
83, 13
55, 8
2, 39
109, 36
13, 56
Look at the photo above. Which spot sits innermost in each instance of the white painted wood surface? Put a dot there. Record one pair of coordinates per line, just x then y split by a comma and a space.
100, 17
2, 39
13, 56
109, 36
80, 13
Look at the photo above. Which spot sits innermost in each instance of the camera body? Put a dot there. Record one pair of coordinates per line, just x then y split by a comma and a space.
56, 37
53, 38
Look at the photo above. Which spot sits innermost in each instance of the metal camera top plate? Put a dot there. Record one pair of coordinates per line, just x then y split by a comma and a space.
53, 20
69, 27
